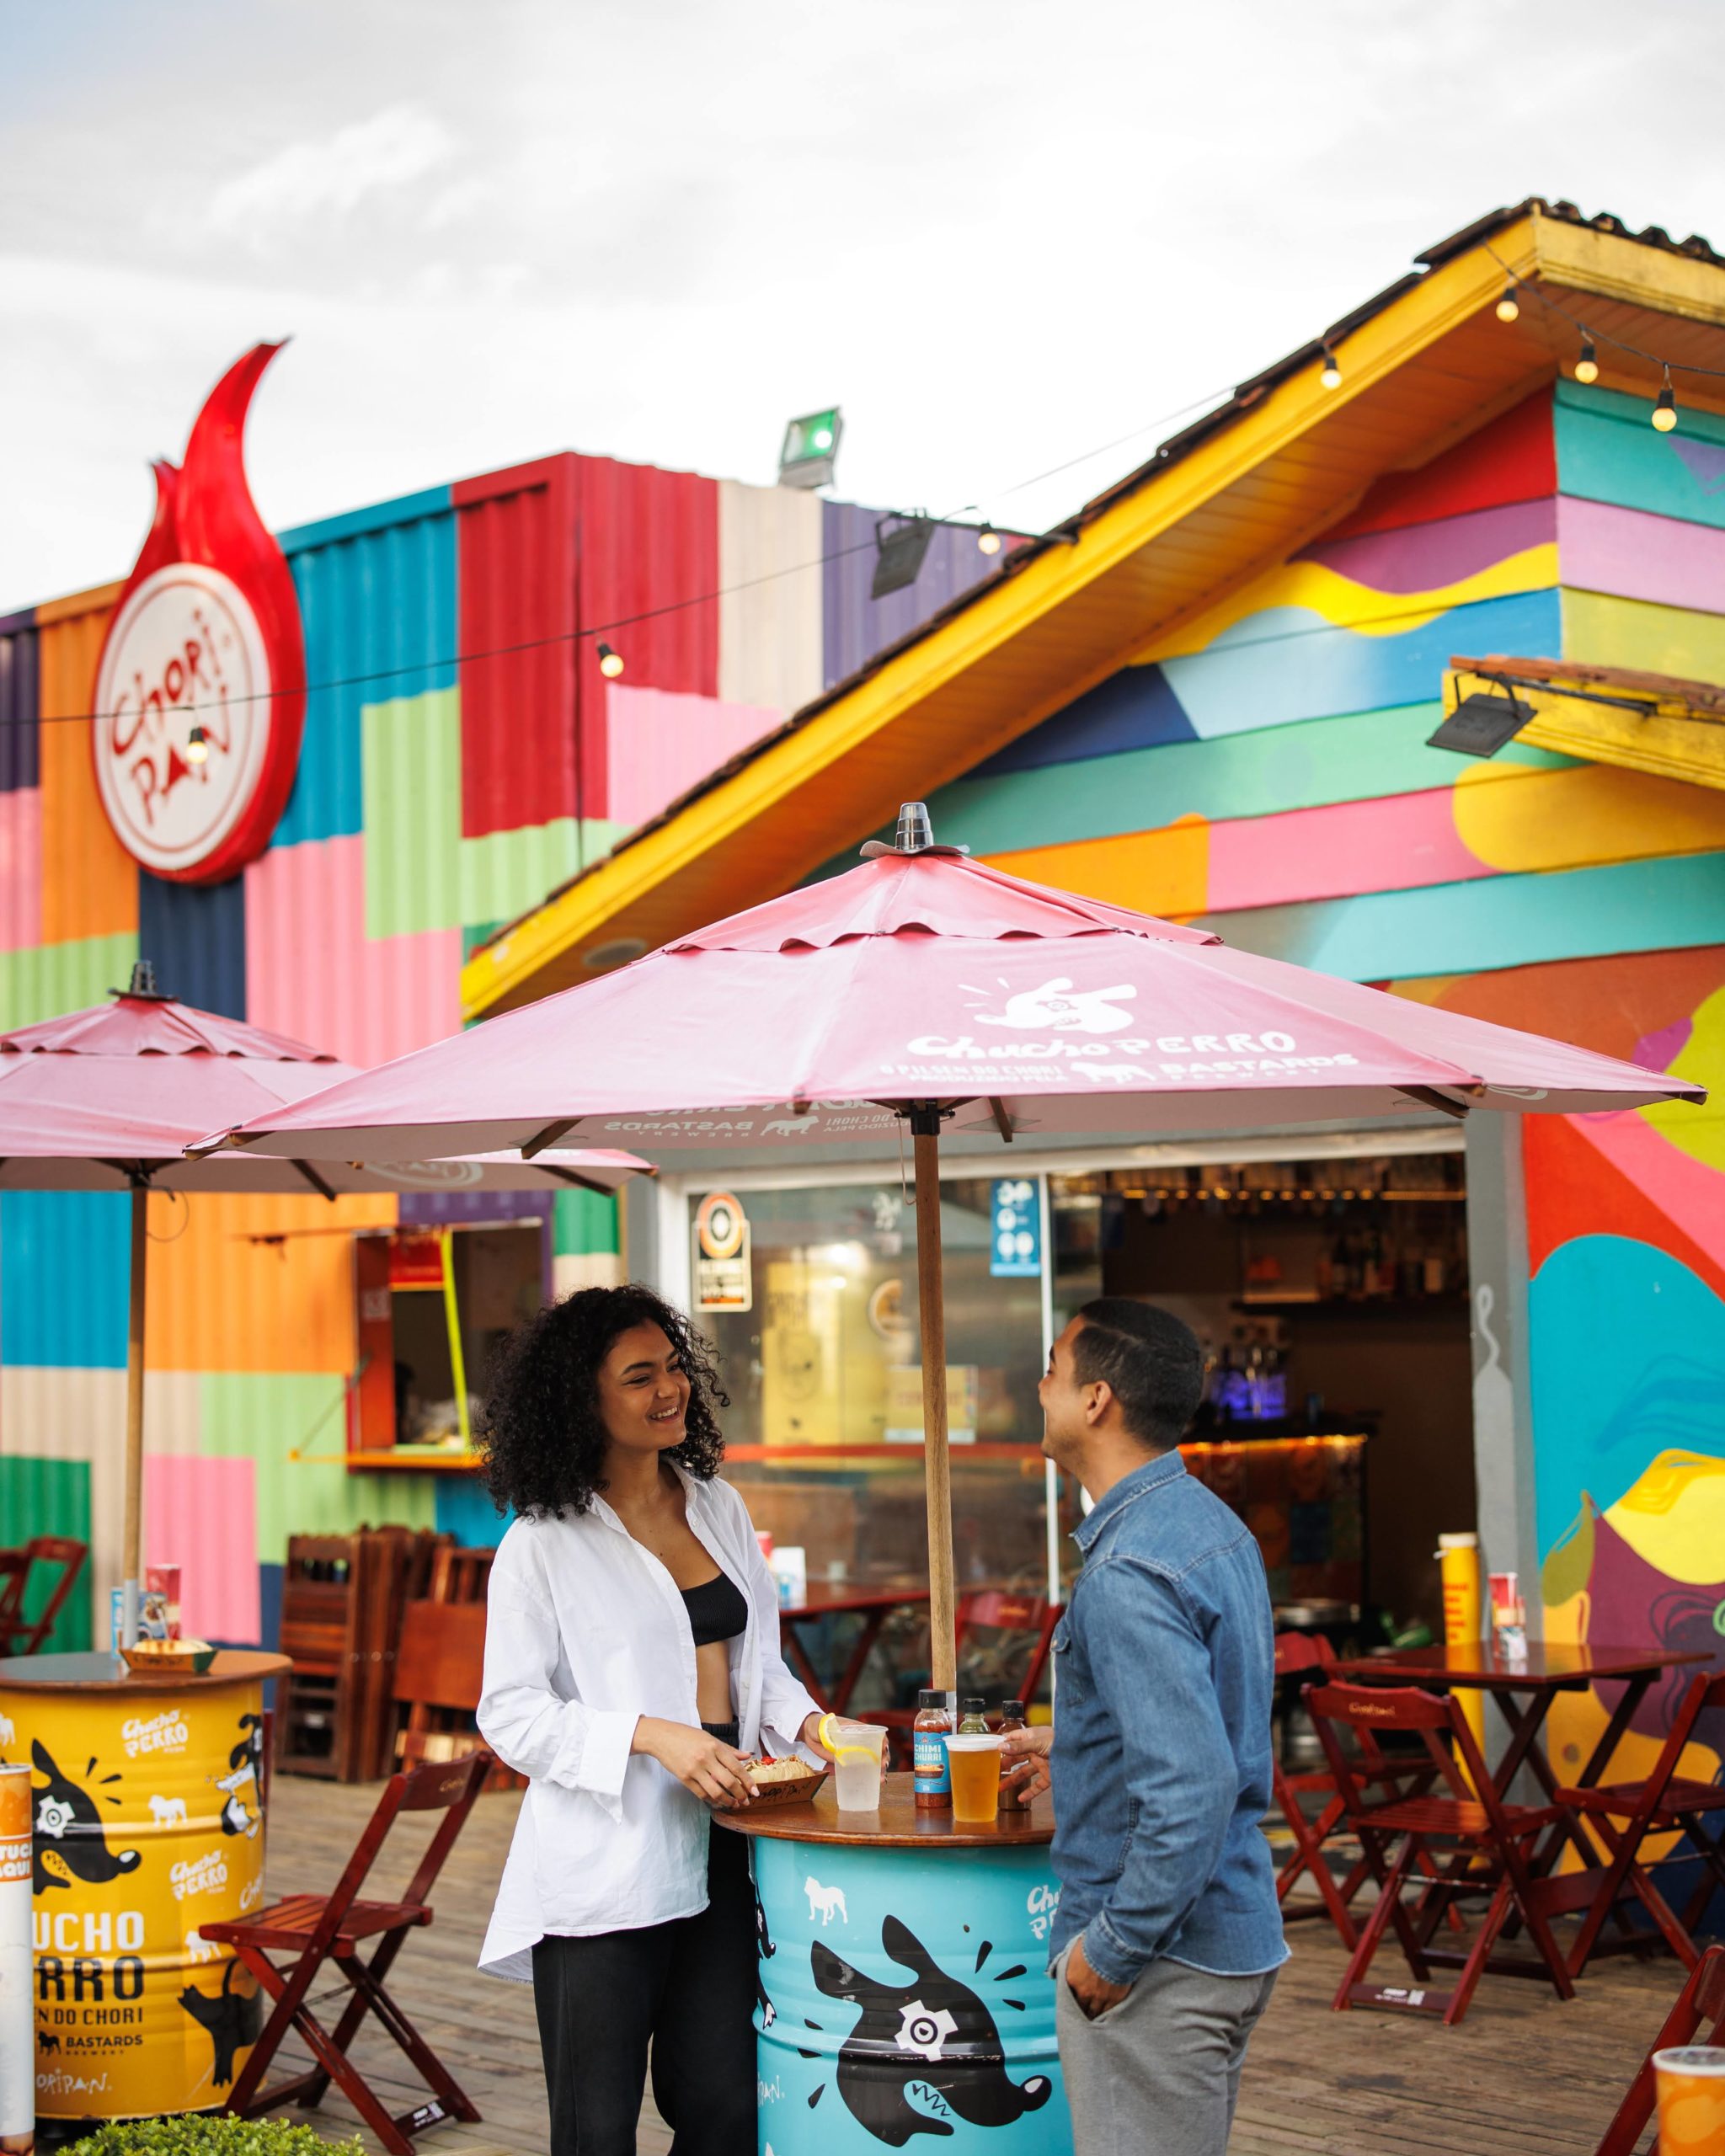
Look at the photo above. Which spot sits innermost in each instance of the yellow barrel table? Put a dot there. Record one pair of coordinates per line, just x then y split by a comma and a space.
147, 1819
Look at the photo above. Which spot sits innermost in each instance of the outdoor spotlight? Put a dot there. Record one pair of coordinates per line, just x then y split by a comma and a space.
811, 448
197, 747
610, 663
1332, 375
1509, 308
1665, 411
988, 540
898, 552
1587, 367
1480, 724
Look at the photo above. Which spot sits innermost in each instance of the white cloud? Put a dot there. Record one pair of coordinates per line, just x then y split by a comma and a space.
334, 174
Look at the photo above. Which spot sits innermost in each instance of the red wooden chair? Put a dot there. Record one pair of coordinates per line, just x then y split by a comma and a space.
22, 1635
1702, 1998
1477, 1843
1001, 1662
317, 1928
1624, 1814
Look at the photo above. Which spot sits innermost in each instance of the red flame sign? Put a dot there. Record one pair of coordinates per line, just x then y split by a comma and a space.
200, 694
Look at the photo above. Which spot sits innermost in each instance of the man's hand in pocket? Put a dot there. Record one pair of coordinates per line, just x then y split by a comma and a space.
1095, 1994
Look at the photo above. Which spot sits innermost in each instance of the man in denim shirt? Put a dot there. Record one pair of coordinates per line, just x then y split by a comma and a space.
1168, 1936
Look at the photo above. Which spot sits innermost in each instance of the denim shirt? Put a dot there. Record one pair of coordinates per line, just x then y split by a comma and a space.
1164, 1667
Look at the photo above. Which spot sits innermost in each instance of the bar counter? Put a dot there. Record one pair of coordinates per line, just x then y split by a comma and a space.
901, 1988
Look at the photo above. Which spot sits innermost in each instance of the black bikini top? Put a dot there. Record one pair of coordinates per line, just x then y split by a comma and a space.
717, 1609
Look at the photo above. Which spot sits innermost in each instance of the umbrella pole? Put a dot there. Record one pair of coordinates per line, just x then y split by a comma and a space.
925, 1127
133, 1550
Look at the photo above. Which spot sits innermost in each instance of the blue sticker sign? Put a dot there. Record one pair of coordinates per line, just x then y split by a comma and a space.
1015, 1230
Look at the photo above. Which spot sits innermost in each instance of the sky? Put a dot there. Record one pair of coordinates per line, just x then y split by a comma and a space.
999, 236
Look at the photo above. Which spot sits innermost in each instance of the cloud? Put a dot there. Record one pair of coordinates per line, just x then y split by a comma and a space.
333, 175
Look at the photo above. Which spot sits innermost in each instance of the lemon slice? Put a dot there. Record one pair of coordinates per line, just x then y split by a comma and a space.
843, 1751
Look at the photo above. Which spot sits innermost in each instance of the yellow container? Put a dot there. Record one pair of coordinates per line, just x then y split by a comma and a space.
1461, 1581
147, 1823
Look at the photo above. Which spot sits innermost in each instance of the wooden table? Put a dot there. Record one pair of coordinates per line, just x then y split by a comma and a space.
873, 1604
903, 1977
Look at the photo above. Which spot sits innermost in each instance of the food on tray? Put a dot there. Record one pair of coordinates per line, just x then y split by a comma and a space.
170, 1650
764, 1773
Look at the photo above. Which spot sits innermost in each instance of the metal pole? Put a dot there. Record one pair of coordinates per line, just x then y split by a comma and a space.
132, 1545
943, 1601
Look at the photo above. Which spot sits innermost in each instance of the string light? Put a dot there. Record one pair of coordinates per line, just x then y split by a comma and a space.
1665, 411
611, 664
1587, 367
197, 747
1509, 308
988, 540
1332, 375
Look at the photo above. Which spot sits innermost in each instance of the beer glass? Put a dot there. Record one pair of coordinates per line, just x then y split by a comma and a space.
975, 1762
1691, 2085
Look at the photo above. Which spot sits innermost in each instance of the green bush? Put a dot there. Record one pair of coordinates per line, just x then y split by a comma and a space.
201, 2135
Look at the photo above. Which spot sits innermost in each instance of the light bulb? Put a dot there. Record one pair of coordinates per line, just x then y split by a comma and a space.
1509, 308
988, 540
1587, 367
611, 664
1332, 375
1665, 411
197, 747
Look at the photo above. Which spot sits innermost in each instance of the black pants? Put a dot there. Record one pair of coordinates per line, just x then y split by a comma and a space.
689, 1987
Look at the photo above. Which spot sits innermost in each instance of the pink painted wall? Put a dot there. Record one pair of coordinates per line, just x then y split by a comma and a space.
1636, 555
20, 868
1332, 852
201, 1514
660, 741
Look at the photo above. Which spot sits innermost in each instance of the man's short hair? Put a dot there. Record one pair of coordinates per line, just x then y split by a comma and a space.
1151, 1361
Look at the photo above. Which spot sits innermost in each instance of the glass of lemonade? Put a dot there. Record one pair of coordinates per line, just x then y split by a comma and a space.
857, 1747
1691, 2085
975, 1762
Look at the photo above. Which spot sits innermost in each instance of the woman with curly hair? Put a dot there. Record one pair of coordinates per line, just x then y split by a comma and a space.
632, 1665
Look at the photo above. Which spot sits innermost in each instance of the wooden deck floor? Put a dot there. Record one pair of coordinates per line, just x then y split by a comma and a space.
1524, 2074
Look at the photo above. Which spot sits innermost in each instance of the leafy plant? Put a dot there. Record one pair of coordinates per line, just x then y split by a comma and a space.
200, 2134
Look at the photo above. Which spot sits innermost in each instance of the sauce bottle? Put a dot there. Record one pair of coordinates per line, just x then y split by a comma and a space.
1012, 1718
931, 1774
975, 1720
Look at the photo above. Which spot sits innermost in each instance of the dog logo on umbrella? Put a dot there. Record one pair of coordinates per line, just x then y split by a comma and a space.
1061, 1008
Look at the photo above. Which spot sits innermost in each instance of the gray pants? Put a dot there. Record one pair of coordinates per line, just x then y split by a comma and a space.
1157, 2074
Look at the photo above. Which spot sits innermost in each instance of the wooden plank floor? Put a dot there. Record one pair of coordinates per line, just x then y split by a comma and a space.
1524, 2074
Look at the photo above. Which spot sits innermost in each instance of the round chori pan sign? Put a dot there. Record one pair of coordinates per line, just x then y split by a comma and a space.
200, 695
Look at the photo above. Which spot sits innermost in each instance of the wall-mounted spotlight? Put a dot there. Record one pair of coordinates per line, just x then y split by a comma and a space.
1479, 724
901, 545
810, 449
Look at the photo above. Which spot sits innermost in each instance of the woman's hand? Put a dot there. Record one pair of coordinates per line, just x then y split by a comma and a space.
810, 1734
1022, 1746
715, 1772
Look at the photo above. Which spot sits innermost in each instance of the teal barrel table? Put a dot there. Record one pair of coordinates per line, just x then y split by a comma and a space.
901, 1988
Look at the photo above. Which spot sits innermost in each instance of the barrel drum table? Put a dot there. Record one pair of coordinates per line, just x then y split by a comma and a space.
901, 1988
147, 1820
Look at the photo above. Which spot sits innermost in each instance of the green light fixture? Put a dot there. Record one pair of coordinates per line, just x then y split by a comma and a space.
811, 448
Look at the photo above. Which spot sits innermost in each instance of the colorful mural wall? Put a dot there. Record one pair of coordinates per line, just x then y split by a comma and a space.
449, 778
1265, 770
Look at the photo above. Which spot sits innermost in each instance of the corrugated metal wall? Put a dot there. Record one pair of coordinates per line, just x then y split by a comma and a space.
770, 653
19, 704
20, 786
50, 1497
854, 626
195, 935
89, 881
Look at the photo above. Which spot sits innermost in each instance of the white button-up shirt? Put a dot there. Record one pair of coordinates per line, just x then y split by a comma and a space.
585, 1632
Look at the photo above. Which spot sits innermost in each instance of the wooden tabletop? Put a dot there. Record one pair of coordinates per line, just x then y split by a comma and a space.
828, 1598
107, 1673
898, 1824
1546, 1666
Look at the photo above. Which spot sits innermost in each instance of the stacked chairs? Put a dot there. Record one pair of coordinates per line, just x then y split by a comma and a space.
1468, 1843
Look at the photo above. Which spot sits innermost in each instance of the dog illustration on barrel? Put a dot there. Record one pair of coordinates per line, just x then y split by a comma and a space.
922, 2048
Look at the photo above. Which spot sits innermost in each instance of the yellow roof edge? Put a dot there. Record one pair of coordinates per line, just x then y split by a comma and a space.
1580, 259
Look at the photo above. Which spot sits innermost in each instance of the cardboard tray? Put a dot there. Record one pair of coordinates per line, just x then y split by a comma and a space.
786, 1792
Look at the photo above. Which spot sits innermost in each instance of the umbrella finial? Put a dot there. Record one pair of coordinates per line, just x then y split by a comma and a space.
143, 977
915, 832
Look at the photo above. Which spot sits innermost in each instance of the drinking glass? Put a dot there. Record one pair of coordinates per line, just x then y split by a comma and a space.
1691, 2085
975, 1763
858, 1748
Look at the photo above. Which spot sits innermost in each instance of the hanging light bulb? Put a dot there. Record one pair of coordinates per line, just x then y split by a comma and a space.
1509, 308
988, 540
1587, 367
197, 747
611, 664
1665, 410
1332, 375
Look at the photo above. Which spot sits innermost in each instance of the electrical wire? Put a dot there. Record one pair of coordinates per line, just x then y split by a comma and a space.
1598, 336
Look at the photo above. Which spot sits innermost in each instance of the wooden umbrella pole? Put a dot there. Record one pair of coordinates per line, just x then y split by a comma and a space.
943, 1612
133, 1545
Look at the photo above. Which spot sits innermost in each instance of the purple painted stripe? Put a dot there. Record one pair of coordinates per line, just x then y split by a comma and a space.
1632, 554
1427, 557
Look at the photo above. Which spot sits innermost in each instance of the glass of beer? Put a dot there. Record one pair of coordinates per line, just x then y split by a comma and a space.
975, 1763
1691, 2085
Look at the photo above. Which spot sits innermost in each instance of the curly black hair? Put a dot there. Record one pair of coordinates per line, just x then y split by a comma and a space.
542, 1439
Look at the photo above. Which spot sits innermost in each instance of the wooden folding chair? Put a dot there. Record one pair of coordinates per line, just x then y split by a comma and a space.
1484, 1847
318, 1928
1702, 1998
1623, 1814
20, 1634
440, 1673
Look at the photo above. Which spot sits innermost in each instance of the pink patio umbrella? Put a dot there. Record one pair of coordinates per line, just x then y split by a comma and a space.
924, 988
109, 1098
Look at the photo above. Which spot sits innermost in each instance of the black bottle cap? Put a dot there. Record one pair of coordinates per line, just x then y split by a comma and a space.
926, 1699
976, 1706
